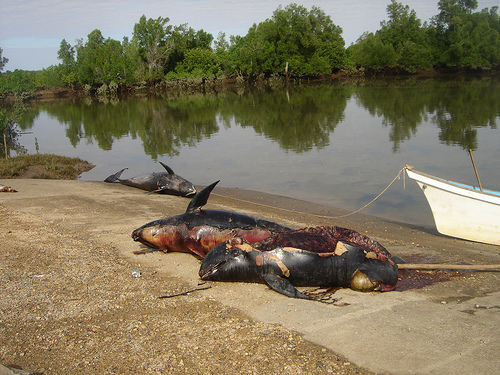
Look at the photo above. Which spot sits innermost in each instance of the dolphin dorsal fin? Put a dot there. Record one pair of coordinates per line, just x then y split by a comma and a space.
168, 169
200, 199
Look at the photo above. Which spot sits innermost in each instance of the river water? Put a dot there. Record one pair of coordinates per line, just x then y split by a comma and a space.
335, 144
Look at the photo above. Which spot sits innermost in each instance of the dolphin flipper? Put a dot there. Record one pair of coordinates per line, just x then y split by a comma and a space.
282, 286
200, 199
115, 177
397, 260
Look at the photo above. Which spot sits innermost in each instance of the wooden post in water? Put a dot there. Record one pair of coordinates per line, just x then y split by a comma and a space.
287, 74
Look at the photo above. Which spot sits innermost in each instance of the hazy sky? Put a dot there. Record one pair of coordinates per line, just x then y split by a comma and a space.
31, 31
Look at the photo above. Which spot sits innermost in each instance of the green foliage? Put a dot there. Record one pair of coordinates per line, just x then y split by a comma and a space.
466, 38
475, 42
456, 37
412, 56
19, 82
370, 51
3, 60
220, 44
184, 39
452, 12
252, 53
199, 62
99, 60
404, 32
151, 37
307, 40
69, 78
49, 77
66, 53
132, 61
221, 49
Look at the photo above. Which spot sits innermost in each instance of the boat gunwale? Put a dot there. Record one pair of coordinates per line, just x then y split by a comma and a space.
490, 196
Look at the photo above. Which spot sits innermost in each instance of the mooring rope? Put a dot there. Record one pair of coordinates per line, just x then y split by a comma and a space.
315, 215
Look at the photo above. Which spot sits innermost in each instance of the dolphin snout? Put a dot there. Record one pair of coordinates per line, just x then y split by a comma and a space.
191, 192
135, 235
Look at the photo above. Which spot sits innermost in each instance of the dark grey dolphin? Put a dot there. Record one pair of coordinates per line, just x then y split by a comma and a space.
312, 260
157, 182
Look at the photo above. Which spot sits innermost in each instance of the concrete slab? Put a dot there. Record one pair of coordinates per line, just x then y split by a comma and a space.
447, 327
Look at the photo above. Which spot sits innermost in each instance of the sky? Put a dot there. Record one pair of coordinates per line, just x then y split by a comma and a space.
31, 31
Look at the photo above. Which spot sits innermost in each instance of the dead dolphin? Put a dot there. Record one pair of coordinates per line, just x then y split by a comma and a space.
283, 268
197, 231
157, 182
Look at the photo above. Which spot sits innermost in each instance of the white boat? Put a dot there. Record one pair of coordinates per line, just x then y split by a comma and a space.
460, 210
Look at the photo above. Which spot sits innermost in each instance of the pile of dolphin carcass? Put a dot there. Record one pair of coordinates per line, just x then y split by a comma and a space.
237, 247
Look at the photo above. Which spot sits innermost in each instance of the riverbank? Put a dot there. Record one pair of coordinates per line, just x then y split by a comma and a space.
70, 305
190, 85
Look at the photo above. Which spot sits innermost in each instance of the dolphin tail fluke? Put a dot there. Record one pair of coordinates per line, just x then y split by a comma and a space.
167, 168
200, 199
115, 177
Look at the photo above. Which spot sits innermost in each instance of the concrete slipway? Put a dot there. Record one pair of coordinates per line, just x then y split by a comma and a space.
450, 327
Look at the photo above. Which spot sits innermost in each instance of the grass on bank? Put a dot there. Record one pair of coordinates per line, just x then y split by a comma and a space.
43, 166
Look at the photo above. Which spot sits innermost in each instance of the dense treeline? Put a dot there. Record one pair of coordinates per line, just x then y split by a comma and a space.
455, 37
293, 42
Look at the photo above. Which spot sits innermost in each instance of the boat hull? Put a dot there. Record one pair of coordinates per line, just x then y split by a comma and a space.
461, 211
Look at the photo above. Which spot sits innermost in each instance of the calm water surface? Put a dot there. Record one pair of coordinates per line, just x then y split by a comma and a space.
338, 145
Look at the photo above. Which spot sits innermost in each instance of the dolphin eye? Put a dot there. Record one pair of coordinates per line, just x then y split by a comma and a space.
235, 253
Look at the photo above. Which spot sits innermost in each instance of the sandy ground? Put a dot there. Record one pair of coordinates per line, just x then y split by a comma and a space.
71, 306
